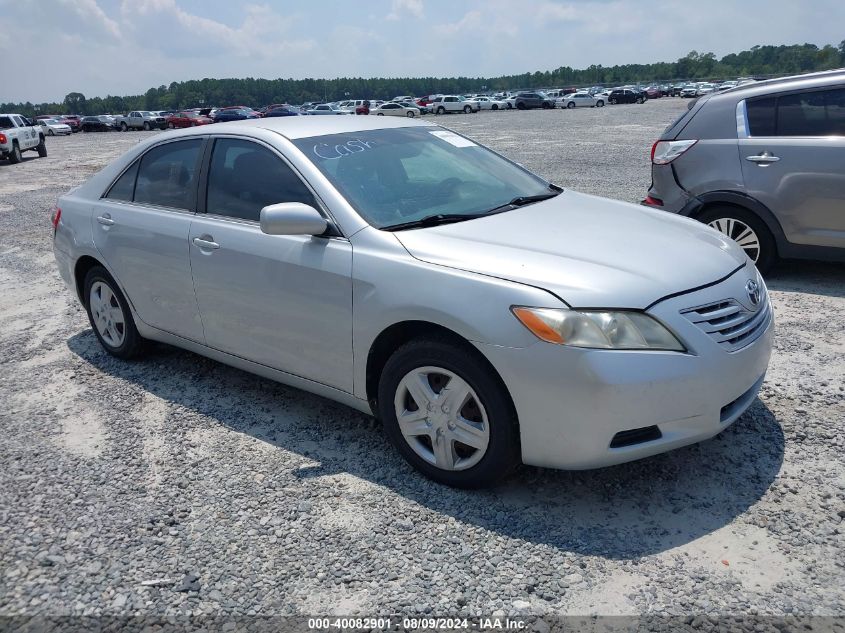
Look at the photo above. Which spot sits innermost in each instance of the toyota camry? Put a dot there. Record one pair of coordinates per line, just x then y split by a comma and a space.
486, 316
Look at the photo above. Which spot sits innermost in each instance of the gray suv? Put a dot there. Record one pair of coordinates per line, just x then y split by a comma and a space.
763, 163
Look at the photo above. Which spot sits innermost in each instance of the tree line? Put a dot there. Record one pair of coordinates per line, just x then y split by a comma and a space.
759, 61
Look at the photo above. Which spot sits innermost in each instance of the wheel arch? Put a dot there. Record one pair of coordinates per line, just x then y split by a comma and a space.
80, 270
747, 203
394, 336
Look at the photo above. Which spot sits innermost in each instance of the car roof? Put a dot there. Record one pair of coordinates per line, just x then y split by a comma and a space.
307, 126
793, 82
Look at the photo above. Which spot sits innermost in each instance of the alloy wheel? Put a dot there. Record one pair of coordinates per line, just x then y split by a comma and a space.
108, 315
740, 233
442, 418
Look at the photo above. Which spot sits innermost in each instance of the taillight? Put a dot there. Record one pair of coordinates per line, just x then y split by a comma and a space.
664, 152
54, 219
3, 138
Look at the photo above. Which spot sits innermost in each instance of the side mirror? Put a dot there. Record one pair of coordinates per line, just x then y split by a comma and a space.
292, 218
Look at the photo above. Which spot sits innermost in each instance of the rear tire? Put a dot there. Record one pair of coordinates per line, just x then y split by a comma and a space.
107, 307
736, 222
42, 148
613, 102
486, 411
15, 157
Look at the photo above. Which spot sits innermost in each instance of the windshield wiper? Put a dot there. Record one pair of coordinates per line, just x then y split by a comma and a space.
433, 220
521, 201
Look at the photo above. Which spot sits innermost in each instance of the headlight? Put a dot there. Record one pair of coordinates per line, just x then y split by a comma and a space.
611, 329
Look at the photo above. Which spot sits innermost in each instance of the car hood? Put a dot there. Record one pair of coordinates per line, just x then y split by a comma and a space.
589, 251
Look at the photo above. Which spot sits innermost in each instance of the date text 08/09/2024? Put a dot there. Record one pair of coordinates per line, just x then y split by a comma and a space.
423, 624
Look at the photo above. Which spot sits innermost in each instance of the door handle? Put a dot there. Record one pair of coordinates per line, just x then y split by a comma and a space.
206, 242
763, 159
105, 219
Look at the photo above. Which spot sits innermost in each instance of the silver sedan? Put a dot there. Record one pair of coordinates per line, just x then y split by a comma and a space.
486, 316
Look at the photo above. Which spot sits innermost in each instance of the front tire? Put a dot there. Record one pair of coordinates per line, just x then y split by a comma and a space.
570, 105
441, 110
599, 104
123, 126
410, 114
747, 230
42, 148
109, 315
467, 109
613, 102
146, 126
50, 132
448, 414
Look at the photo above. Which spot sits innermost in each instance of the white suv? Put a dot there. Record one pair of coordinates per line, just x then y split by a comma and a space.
453, 103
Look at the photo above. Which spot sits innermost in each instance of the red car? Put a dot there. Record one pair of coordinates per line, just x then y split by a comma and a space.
187, 119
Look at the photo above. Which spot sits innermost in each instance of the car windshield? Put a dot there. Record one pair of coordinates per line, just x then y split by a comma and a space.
395, 176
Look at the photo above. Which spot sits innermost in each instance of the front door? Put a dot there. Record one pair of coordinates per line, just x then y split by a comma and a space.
793, 161
141, 229
281, 301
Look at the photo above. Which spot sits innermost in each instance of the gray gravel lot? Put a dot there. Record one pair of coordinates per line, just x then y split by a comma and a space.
242, 496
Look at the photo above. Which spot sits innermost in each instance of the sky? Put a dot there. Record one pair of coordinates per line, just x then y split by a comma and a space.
123, 47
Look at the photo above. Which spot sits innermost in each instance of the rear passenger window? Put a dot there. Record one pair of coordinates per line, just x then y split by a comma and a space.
761, 116
817, 113
245, 177
124, 187
802, 114
168, 174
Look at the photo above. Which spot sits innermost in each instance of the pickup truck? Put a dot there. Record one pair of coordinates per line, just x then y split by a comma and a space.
17, 135
141, 120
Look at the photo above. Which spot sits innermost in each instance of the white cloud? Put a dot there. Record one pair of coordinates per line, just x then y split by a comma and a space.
262, 33
398, 8
471, 21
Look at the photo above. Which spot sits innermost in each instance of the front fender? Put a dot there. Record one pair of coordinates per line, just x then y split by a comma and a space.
390, 286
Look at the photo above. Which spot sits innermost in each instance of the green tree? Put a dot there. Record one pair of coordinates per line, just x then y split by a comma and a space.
75, 102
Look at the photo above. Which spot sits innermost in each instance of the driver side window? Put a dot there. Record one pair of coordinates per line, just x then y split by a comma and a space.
245, 177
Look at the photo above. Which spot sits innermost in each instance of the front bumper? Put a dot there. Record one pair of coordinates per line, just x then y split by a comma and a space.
573, 402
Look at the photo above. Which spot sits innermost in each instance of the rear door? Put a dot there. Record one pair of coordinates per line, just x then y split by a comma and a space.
141, 228
793, 160
284, 301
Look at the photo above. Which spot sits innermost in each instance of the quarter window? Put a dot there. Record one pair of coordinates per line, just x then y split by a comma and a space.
124, 187
167, 175
245, 177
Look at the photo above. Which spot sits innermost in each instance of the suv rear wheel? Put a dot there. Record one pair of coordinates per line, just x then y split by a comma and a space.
747, 230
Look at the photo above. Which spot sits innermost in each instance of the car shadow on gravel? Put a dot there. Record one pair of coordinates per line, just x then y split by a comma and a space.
620, 512
818, 278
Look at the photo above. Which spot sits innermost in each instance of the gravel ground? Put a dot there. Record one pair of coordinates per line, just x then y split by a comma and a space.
236, 495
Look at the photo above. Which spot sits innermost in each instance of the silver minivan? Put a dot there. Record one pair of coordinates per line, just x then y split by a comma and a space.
763, 163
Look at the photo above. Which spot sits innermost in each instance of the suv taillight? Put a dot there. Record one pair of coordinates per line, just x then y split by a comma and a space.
664, 152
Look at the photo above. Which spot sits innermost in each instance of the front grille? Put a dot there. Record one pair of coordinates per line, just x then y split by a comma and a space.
730, 324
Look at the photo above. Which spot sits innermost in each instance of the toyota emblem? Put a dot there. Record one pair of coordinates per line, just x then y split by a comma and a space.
753, 290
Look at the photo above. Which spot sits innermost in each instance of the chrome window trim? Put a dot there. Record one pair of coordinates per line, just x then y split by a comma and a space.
742, 130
